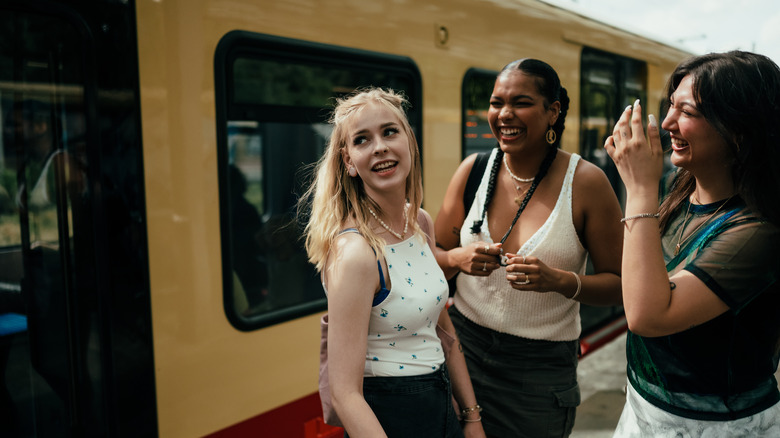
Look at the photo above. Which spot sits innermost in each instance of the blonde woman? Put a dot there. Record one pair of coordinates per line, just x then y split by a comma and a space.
372, 244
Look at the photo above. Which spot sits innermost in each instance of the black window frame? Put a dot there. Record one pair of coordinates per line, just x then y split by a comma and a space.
236, 44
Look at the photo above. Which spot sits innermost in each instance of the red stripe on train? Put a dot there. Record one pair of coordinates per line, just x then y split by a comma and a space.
299, 419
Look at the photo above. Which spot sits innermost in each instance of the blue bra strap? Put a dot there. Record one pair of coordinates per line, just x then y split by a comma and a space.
383, 291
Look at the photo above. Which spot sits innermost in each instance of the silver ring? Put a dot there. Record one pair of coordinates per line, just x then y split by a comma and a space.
484, 267
524, 263
487, 248
526, 281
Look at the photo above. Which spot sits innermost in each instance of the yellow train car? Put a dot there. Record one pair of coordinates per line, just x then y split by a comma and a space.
152, 277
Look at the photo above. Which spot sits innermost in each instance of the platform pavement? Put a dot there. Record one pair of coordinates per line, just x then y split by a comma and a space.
602, 378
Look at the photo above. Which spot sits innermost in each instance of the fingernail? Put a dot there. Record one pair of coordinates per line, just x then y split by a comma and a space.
636, 103
628, 108
652, 121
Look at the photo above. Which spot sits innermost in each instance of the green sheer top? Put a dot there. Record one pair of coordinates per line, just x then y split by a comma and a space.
722, 369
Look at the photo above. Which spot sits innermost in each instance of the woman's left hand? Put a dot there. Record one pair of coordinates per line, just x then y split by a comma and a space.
639, 161
530, 273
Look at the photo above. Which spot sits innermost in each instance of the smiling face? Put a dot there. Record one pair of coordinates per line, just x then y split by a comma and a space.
696, 144
517, 114
379, 149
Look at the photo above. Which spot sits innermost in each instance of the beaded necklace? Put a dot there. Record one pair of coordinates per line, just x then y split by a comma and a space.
515, 177
381, 222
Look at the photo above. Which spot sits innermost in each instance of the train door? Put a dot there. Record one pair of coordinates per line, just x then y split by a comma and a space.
609, 83
44, 183
58, 376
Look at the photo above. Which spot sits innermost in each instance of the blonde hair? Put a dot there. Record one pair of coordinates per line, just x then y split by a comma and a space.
335, 197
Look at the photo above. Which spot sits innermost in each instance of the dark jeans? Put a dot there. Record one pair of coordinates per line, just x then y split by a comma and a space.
414, 406
527, 388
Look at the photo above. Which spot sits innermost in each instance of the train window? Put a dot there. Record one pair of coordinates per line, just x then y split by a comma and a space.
274, 96
609, 83
475, 98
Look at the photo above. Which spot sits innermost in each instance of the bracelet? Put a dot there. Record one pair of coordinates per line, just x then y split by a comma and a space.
473, 421
475, 408
579, 286
639, 216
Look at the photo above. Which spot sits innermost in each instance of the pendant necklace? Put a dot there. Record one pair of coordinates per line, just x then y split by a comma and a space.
536, 180
518, 187
381, 222
680, 240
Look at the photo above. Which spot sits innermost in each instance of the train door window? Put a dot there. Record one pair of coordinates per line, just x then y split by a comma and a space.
46, 340
609, 83
475, 97
274, 96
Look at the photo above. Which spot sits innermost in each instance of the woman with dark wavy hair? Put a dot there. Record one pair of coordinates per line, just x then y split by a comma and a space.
518, 296
702, 298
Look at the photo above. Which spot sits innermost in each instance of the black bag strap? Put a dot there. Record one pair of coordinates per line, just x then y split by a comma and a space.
475, 176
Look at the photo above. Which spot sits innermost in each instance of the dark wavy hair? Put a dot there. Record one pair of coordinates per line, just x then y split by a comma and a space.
738, 93
548, 84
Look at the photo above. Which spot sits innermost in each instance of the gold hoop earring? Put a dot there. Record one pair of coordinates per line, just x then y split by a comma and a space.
551, 136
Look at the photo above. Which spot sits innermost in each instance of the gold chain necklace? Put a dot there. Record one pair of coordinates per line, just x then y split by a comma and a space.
682, 228
406, 222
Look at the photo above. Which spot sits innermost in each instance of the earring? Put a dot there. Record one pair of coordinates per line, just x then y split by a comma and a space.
352, 171
551, 135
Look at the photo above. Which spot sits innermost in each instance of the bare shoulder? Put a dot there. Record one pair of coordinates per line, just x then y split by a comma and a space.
590, 179
353, 249
425, 220
351, 260
589, 174
426, 225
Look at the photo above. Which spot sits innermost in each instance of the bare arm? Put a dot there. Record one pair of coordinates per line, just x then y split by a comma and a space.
352, 279
602, 236
652, 307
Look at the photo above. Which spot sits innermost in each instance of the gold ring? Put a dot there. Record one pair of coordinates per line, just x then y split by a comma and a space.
484, 267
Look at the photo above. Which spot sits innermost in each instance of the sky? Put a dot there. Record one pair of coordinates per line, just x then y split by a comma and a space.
697, 26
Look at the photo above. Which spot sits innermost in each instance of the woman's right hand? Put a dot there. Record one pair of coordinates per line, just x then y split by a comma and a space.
639, 161
478, 258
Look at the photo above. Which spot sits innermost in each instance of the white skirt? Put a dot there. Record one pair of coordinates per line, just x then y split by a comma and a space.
641, 419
